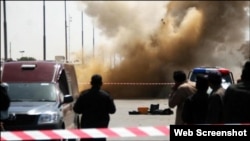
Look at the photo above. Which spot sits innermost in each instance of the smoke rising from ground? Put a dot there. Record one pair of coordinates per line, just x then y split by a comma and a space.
152, 39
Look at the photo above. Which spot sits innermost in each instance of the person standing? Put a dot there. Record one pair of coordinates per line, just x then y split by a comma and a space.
195, 106
215, 99
237, 99
180, 91
95, 105
4, 105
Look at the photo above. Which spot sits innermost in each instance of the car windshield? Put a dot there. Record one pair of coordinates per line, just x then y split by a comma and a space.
226, 79
32, 92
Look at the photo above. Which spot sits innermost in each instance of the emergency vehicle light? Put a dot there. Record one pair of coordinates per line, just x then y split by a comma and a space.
199, 70
223, 71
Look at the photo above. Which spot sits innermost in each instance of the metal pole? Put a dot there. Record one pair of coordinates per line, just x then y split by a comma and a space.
44, 32
0, 41
66, 46
10, 51
82, 41
93, 41
249, 54
69, 36
21, 51
5, 32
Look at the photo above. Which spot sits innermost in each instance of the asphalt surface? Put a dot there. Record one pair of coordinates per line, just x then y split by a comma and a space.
122, 118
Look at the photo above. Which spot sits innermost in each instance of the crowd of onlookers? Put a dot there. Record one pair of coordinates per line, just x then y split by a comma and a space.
196, 106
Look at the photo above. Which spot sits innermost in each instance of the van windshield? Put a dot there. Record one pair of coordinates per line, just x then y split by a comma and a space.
32, 91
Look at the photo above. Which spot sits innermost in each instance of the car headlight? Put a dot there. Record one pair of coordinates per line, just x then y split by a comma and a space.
48, 118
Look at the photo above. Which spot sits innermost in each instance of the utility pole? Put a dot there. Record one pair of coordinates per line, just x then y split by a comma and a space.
5, 32
0, 42
70, 20
66, 43
10, 51
21, 51
82, 40
93, 40
44, 32
248, 43
249, 54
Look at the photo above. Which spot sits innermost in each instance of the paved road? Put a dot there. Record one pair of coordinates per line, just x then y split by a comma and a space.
122, 119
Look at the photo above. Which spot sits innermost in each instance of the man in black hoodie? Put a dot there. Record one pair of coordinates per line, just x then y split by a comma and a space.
237, 99
95, 105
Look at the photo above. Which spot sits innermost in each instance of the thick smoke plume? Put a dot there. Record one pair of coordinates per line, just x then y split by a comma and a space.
152, 39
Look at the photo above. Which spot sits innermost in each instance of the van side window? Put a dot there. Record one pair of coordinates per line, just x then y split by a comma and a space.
63, 83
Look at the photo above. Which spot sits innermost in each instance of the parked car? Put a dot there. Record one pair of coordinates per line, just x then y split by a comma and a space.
227, 75
42, 95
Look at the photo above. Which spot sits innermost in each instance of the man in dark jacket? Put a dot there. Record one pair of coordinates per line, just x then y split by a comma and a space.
215, 99
4, 105
195, 106
95, 105
237, 99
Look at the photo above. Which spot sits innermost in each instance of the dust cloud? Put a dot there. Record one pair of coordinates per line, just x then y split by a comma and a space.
149, 40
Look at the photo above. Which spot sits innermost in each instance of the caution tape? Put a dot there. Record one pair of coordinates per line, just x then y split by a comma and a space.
129, 83
86, 133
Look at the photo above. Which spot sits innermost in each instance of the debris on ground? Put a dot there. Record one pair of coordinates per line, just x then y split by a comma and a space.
153, 110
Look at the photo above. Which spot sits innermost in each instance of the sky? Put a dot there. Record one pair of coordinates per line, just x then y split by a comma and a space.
25, 29
135, 41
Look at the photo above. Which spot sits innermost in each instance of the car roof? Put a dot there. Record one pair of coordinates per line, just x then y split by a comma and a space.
31, 71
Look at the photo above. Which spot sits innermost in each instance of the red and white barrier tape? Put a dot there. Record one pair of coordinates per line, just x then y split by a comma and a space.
86, 133
111, 83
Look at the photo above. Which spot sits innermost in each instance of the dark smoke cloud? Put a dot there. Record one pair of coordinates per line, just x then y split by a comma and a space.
190, 34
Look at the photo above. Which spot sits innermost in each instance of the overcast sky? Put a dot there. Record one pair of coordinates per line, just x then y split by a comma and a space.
25, 29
